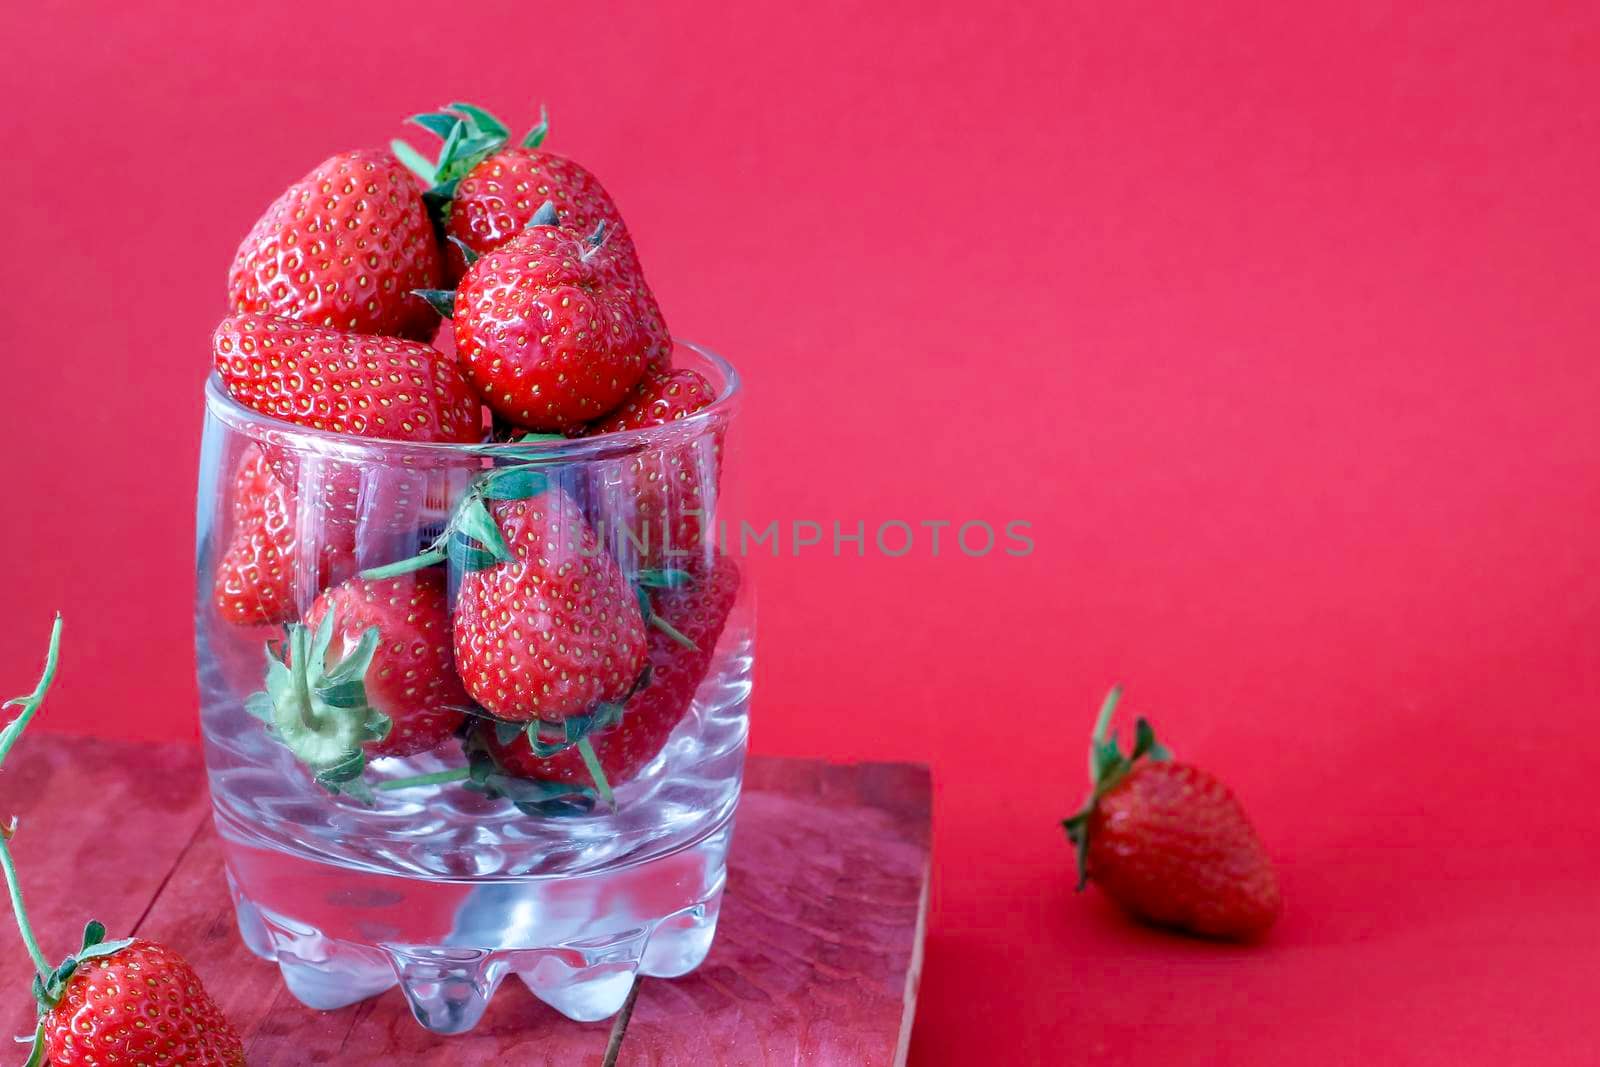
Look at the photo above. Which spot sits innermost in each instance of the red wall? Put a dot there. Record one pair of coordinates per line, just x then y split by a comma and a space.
1277, 322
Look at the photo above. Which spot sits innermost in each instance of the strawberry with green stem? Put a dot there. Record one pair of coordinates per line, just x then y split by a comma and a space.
690, 610
111, 1003
1168, 841
549, 636
369, 675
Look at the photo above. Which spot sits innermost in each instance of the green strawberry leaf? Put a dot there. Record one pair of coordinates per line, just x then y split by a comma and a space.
468, 253
535, 137
482, 119
475, 521
441, 300
545, 216
437, 123
466, 556
515, 483
507, 732
664, 578
415, 161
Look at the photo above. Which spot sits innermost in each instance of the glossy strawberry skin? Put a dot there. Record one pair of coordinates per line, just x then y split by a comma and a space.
699, 612
343, 248
379, 387
557, 631
499, 197
667, 485
546, 333
141, 1005
254, 581
412, 678
1171, 844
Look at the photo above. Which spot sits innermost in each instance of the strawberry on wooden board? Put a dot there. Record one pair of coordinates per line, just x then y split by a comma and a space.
484, 190
664, 494
366, 386
545, 331
551, 629
126, 1003
343, 248
254, 583
696, 611
1169, 842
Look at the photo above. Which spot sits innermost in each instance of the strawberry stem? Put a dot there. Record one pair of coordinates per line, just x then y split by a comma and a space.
601, 784
419, 780
40, 964
30, 704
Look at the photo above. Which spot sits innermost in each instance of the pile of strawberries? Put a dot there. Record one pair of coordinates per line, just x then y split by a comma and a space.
558, 673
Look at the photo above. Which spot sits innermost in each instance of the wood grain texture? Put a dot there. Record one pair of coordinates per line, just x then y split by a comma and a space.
815, 961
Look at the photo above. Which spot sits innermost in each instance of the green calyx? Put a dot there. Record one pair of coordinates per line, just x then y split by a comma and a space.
472, 539
47, 989
320, 711
1107, 767
470, 135
528, 795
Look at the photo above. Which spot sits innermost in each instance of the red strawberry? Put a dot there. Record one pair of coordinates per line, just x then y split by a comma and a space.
665, 489
555, 631
369, 675
494, 189
343, 248
141, 1004
412, 677
698, 612
254, 583
1169, 842
118, 1003
546, 334
344, 382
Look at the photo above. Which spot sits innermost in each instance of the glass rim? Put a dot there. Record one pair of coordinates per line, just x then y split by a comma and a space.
221, 404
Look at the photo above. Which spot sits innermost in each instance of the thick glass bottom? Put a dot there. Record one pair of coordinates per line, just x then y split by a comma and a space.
341, 934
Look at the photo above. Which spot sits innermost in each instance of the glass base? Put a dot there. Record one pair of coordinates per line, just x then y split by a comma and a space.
341, 934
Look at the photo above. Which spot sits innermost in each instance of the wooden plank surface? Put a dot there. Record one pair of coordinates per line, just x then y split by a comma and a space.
816, 958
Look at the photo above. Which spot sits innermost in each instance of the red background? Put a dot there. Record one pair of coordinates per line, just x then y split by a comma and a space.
1278, 323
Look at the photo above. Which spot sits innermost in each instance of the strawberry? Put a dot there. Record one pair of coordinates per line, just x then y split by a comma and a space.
342, 248
695, 613
550, 629
488, 190
142, 1003
668, 490
112, 1003
412, 677
546, 333
346, 383
1169, 842
385, 687
254, 583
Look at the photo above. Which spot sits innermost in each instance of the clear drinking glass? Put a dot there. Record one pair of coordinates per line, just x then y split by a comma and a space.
438, 870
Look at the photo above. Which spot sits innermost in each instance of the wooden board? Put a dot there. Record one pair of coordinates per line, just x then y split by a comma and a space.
816, 960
